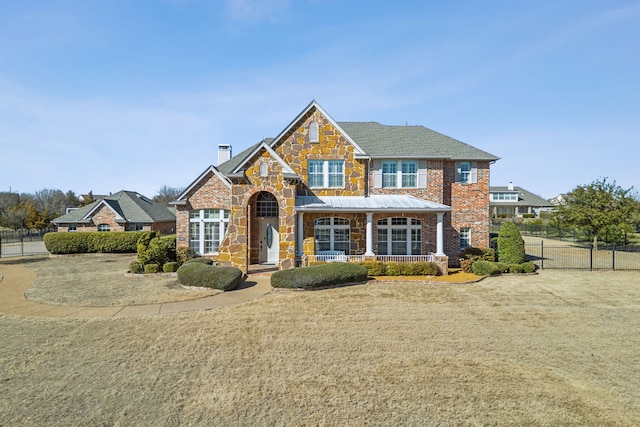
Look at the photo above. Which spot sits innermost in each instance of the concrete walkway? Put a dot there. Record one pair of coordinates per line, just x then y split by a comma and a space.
15, 279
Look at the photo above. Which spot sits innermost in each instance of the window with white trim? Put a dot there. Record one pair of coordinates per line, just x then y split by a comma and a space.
206, 230
466, 172
325, 173
504, 197
73, 227
399, 236
465, 238
400, 174
313, 131
104, 227
332, 234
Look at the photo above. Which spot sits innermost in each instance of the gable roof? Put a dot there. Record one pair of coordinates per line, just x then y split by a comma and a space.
129, 207
286, 169
211, 169
410, 141
525, 198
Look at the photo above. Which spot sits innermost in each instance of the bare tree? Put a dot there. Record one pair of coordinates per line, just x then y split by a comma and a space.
167, 194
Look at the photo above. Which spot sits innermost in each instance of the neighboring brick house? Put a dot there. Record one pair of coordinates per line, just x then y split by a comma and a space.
122, 211
325, 189
511, 202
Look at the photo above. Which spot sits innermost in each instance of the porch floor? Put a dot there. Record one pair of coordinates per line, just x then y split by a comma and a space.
262, 269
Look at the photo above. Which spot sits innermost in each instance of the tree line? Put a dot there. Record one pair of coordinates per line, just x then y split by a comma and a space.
35, 211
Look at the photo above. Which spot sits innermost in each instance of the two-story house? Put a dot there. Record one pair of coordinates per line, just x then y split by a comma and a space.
322, 188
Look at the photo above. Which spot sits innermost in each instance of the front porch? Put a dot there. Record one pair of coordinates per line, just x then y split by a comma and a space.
337, 256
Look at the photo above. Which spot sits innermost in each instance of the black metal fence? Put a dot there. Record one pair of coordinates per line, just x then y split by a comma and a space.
15, 243
566, 255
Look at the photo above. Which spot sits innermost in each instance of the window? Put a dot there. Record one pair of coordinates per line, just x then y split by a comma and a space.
206, 230
400, 174
466, 172
138, 227
399, 236
264, 169
104, 227
465, 238
326, 173
332, 234
267, 205
504, 197
389, 174
313, 131
73, 227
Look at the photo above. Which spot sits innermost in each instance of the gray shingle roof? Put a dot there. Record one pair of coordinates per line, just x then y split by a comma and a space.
410, 141
131, 206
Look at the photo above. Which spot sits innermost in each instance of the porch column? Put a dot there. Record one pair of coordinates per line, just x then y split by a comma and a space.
440, 235
300, 234
369, 237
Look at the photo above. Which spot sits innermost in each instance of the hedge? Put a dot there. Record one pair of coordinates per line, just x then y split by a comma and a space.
510, 244
319, 276
92, 242
488, 268
209, 276
419, 268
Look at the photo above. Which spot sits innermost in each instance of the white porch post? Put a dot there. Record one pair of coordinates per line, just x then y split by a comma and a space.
300, 234
440, 235
369, 237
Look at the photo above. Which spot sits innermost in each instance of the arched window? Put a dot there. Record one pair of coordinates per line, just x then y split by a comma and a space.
206, 230
313, 131
399, 236
332, 234
266, 205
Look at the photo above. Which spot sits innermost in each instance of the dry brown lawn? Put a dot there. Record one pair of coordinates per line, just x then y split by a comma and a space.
99, 280
558, 348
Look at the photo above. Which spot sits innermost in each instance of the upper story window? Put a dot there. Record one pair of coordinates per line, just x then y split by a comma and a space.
504, 197
400, 174
264, 169
466, 172
104, 227
313, 131
326, 173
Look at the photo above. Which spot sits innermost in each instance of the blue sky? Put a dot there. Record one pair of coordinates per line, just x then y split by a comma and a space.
122, 94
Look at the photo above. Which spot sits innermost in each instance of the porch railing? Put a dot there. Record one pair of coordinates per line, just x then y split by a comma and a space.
361, 258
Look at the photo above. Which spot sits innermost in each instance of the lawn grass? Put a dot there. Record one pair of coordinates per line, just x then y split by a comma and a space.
558, 348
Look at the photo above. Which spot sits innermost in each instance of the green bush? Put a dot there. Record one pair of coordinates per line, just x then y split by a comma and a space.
184, 254
510, 244
143, 244
136, 267
319, 276
151, 268
160, 250
375, 268
208, 276
92, 242
528, 267
394, 268
485, 268
475, 254
200, 260
170, 267
467, 265
502, 267
426, 268
516, 268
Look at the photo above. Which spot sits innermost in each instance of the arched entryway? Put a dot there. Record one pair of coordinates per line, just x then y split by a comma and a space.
265, 235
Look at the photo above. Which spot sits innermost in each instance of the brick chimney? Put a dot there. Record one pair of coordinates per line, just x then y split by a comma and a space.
224, 153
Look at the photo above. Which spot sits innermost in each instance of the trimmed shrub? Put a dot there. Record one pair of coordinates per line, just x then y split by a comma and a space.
200, 260
151, 268
375, 268
394, 269
528, 267
467, 265
319, 276
92, 242
208, 276
503, 267
160, 250
136, 267
485, 268
170, 267
143, 244
425, 268
510, 244
184, 254
516, 268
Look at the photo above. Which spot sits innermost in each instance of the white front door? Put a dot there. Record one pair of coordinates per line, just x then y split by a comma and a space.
269, 241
